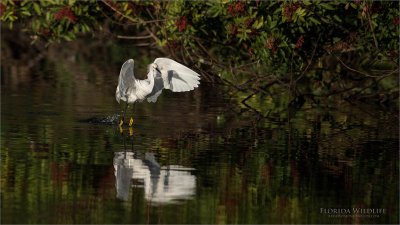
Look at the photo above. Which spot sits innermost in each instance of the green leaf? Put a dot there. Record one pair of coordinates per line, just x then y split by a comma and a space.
36, 7
324, 20
326, 6
301, 12
48, 16
337, 18
26, 13
312, 19
67, 38
283, 44
273, 24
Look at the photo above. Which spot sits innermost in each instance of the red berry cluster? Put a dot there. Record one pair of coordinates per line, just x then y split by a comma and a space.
289, 9
174, 44
238, 8
132, 8
271, 45
394, 54
2, 8
248, 22
377, 7
46, 32
396, 21
65, 12
250, 50
300, 42
232, 29
111, 4
253, 33
181, 23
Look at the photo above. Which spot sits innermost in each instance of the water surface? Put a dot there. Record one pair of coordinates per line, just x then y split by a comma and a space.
189, 158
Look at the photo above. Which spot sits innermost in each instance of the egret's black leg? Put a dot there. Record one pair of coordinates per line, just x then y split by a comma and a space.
123, 117
133, 112
123, 141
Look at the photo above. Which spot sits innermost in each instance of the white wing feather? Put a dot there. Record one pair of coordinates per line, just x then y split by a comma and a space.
157, 89
174, 76
126, 80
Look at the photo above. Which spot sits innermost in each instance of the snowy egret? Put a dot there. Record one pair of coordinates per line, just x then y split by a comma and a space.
163, 73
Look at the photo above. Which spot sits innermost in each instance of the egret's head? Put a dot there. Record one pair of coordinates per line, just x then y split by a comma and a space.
155, 67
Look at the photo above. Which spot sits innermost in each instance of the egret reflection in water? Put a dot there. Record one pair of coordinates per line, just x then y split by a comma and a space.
169, 184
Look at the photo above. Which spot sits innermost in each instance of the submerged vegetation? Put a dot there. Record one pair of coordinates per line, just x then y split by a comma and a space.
306, 50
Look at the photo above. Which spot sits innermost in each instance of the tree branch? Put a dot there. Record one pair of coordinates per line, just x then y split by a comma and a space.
134, 37
365, 74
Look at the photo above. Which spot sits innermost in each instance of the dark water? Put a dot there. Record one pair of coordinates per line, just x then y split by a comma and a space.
189, 158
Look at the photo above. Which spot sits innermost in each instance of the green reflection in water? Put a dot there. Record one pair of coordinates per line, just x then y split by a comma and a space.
56, 169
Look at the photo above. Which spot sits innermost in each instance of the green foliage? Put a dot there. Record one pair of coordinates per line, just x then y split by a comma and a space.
240, 41
53, 20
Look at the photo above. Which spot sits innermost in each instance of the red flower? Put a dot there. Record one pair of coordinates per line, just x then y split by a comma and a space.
65, 12
248, 22
237, 8
393, 53
396, 21
2, 8
289, 9
174, 44
300, 42
132, 8
232, 29
270, 45
181, 23
46, 32
288, 12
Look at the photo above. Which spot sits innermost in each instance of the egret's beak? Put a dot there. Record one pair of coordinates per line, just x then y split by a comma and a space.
157, 69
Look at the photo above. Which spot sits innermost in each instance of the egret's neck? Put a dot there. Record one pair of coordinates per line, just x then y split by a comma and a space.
150, 77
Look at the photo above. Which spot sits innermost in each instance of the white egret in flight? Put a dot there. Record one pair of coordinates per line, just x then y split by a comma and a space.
163, 73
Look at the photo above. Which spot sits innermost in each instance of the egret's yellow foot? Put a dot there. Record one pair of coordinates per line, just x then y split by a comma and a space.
120, 126
130, 131
130, 122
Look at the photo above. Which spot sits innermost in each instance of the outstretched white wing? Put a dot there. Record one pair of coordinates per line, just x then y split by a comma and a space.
174, 76
126, 81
